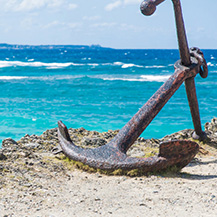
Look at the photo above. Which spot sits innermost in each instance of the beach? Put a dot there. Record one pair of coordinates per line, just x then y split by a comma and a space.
35, 182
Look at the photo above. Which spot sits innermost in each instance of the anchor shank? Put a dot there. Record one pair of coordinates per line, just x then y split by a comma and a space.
133, 129
186, 61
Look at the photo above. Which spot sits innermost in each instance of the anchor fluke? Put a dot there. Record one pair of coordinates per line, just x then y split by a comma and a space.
64, 131
182, 151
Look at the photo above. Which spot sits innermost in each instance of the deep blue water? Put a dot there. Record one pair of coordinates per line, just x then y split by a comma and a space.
98, 89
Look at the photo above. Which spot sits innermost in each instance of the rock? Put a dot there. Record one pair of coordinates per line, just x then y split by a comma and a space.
8, 143
94, 141
2, 157
32, 145
211, 126
81, 130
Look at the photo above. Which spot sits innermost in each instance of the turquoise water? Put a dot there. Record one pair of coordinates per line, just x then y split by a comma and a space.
98, 89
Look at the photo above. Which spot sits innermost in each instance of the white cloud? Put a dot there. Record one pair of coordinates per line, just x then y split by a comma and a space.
126, 27
105, 25
128, 2
74, 25
8, 4
53, 24
119, 3
27, 23
72, 6
113, 5
58, 24
54, 3
29, 5
93, 18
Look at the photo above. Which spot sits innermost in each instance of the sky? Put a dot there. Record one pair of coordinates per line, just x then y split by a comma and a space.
109, 23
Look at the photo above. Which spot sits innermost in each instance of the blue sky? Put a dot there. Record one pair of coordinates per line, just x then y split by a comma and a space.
110, 23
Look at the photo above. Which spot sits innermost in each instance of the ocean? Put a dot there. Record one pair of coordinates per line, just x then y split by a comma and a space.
93, 87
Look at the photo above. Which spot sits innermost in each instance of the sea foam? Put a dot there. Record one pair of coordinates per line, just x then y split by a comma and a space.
124, 66
158, 78
36, 64
55, 65
142, 78
12, 77
42, 78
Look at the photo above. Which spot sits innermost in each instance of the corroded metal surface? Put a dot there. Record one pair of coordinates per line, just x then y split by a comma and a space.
173, 153
109, 157
148, 7
186, 60
198, 54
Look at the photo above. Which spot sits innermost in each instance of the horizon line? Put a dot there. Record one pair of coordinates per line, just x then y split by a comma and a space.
90, 46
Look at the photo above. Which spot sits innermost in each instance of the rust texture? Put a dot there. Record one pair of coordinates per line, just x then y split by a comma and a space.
173, 153
189, 83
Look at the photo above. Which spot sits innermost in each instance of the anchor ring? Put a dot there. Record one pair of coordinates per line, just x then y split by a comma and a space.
198, 54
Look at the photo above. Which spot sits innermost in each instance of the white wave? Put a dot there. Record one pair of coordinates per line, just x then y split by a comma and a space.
65, 77
37, 64
124, 66
154, 66
93, 64
122, 79
41, 78
158, 78
210, 64
55, 77
127, 65
55, 65
12, 77
142, 78
118, 63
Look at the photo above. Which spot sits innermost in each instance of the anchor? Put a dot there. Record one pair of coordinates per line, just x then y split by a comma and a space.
177, 153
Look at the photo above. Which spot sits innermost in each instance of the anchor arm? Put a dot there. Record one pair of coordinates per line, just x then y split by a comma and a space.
133, 129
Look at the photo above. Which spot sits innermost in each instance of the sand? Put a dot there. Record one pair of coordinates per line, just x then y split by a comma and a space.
34, 182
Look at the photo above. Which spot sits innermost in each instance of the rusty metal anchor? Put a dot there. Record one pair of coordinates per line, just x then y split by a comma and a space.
172, 153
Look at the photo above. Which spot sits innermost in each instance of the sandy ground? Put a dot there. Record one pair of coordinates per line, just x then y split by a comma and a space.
193, 192
34, 184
